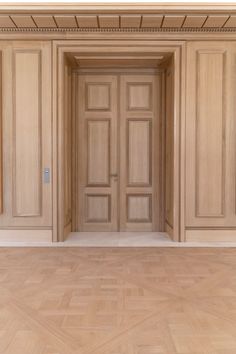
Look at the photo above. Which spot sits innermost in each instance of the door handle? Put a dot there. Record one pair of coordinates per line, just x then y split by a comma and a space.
114, 175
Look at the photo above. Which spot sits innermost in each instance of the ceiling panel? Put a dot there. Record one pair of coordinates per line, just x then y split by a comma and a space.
173, 21
215, 21
23, 21
66, 21
44, 21
5, 21
116, 20
231, 22
85, 21
194, 21
128, 21
152, 21
108, 21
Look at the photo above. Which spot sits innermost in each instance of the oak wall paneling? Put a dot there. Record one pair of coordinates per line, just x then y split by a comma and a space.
67, 149
169, 145
26, 116
1, 140
210, 138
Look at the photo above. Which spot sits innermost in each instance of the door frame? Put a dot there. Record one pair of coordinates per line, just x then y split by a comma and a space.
134, 46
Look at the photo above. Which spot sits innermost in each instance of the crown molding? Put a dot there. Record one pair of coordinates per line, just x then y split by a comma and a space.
145, 7
143, 17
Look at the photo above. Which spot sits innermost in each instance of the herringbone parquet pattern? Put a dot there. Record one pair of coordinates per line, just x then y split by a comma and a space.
117, 301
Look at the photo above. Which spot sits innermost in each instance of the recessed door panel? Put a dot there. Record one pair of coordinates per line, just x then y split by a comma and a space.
98, 152
139, 166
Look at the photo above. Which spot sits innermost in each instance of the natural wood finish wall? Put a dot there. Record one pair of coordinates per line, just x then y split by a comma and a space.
169, 145
27, 134
1, 140
210, 135
26, 116
67, 149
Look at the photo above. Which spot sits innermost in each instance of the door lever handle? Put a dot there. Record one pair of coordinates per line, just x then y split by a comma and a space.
114, 175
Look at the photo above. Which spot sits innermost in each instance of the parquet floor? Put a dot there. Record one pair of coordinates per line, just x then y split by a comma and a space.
117, 301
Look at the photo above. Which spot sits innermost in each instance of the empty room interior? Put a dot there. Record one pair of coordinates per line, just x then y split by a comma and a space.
118, 178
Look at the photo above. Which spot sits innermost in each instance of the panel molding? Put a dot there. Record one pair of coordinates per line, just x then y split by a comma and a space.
128, 164
94, 109
150, 103
88, 122
89, 219
198, 214
139, 220
15, 212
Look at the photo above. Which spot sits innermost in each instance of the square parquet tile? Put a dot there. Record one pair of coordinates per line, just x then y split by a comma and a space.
117, 301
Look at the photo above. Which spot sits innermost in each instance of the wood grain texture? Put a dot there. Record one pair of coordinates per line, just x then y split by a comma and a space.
97, 153
194, 21
139, 147
169, 144
27, 134
26, 117
44, 21
68, 193
107, 301
23, 21
89, 21
210, 124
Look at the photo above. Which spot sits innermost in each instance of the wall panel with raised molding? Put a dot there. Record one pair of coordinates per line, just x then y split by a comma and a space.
210, 137
26, 135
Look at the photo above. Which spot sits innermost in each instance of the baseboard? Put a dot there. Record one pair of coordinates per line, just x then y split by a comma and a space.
210, 235
25, 236
67, 230
169, 230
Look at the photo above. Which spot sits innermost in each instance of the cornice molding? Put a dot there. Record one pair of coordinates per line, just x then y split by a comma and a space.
148, 7
143, 17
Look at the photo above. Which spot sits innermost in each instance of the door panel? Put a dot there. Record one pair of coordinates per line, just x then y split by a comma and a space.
97, 146
118, 152
98, 135
138, 153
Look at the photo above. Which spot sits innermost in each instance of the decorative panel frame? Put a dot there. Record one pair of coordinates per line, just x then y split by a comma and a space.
15, 195
124, 47
96, 121
131, 219
128, 178
200, 104
210, 202
39, 213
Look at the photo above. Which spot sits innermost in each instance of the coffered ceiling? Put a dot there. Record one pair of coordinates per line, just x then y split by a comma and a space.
124, 16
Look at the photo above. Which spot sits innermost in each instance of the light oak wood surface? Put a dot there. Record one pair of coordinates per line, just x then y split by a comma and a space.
97, 153
119, 135
210, 136
117, 301
26, 132
137, 16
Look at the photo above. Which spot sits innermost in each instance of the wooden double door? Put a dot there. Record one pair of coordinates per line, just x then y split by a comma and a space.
118, 149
